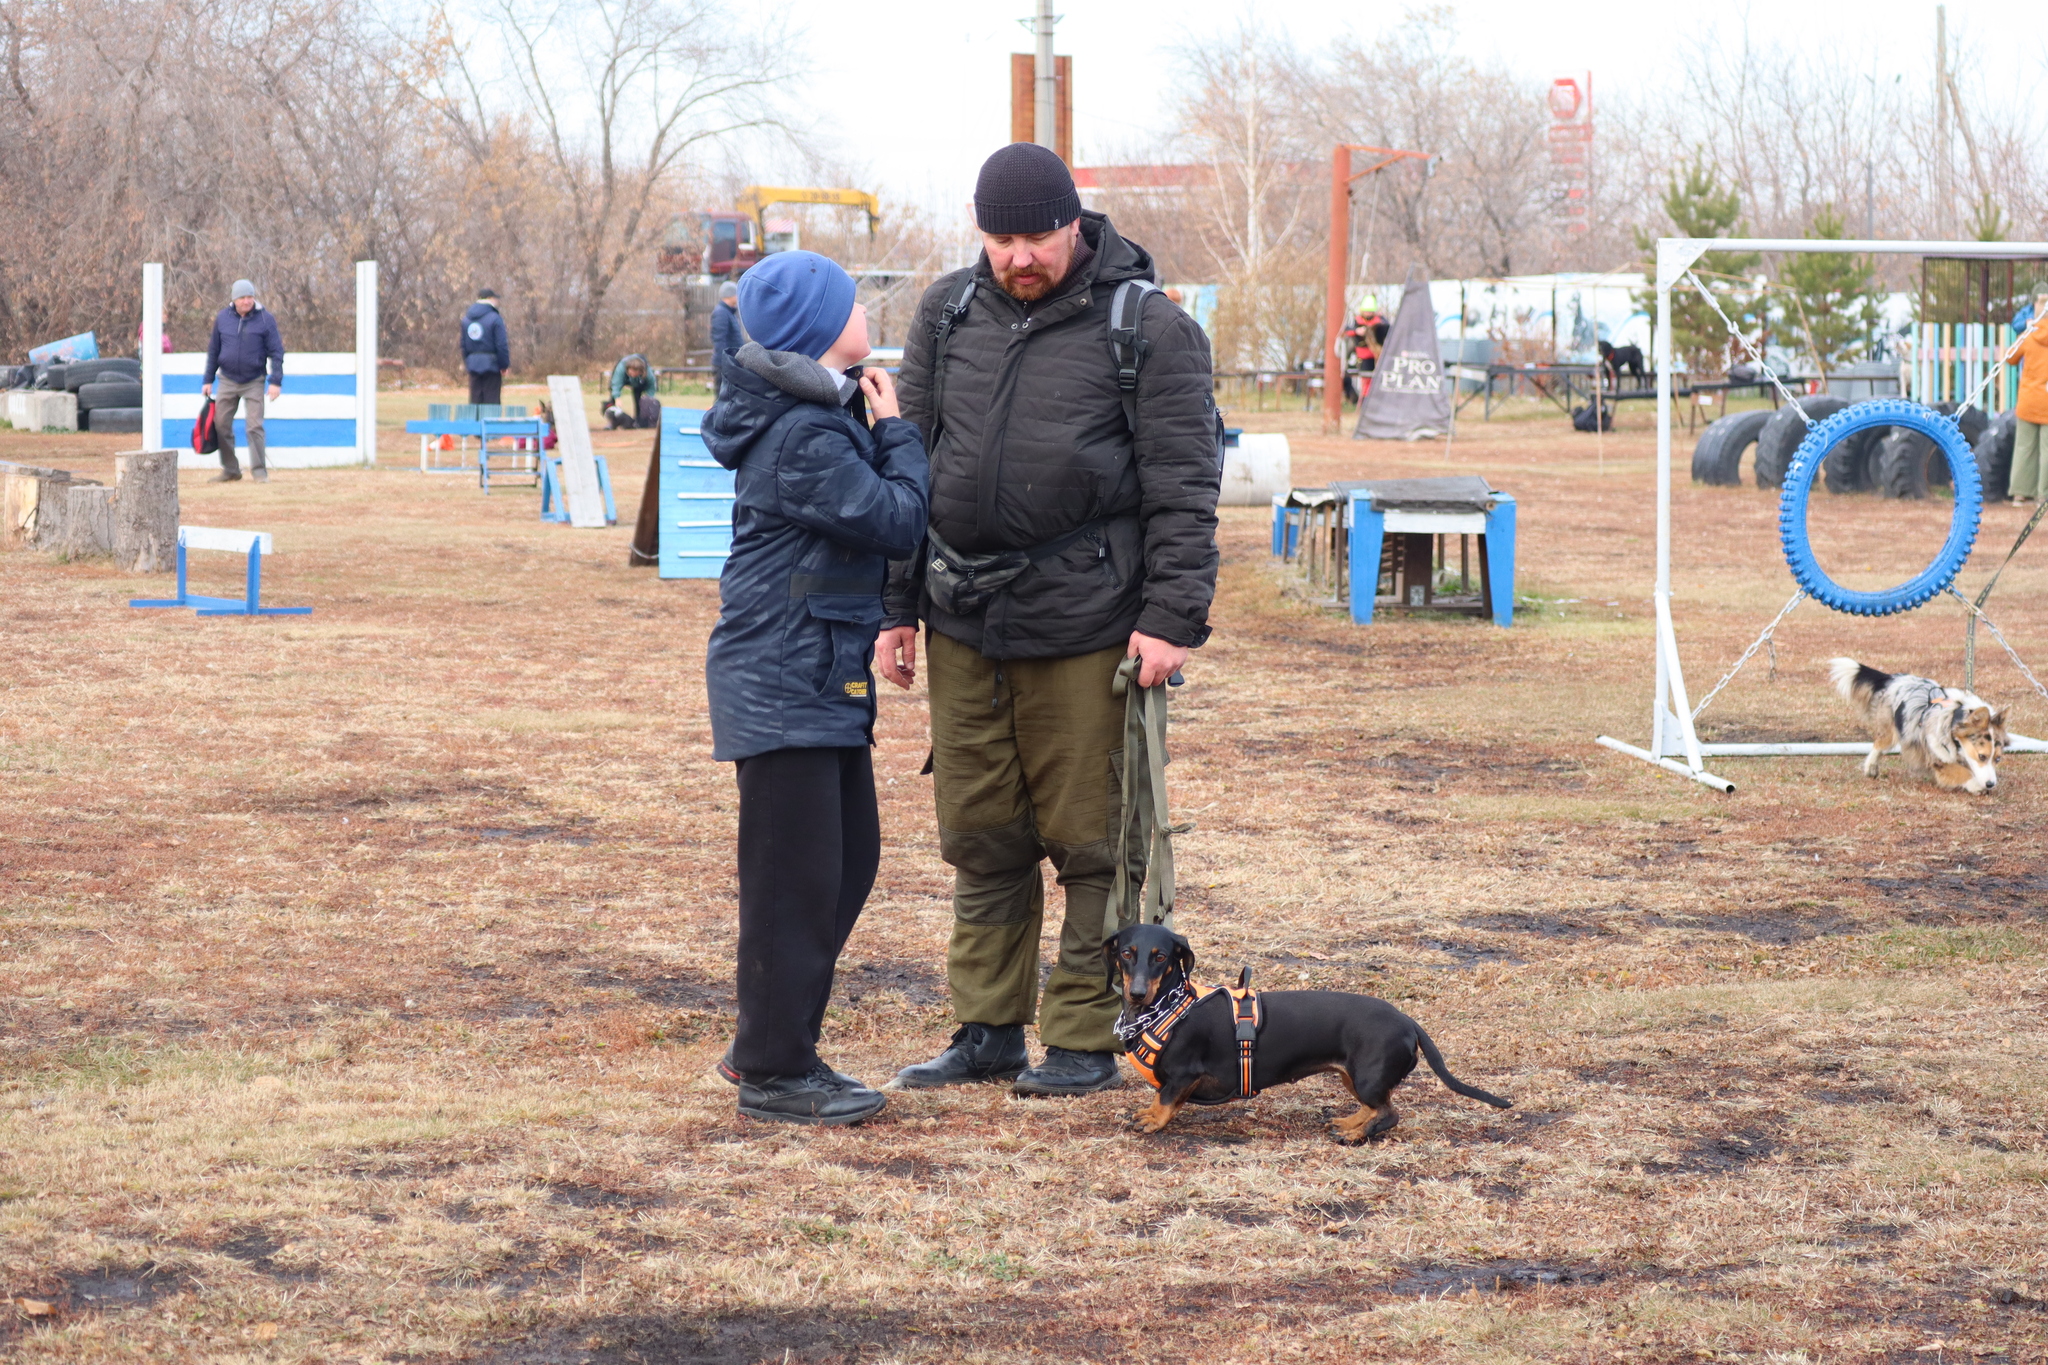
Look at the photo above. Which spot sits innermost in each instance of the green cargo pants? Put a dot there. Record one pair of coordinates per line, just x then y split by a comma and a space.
1024, 767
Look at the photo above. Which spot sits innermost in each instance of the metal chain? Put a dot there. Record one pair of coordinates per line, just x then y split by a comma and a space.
1999, 635
1750, 653
1970, 634
1992, 372
1743, 342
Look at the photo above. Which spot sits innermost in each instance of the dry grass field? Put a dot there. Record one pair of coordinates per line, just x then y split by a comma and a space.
363, 972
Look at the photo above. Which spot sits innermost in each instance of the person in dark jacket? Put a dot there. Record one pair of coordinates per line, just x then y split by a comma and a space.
1032, 451
727, 335
821, 504
635, 376
486, 349
245, 341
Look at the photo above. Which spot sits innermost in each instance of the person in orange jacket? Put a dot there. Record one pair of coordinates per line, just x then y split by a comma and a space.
2029, 480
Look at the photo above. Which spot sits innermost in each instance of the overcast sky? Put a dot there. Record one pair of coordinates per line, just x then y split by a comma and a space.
926, 82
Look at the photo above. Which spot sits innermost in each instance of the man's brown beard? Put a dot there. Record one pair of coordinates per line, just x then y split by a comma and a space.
1041, 285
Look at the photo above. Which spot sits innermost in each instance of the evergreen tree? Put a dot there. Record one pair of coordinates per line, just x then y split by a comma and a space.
1988, 222
1699, 206
1832, 299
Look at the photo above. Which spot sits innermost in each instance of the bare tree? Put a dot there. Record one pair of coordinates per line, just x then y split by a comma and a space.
620, 94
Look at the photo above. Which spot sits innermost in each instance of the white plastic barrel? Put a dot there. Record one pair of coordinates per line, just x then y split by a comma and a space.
1254, 470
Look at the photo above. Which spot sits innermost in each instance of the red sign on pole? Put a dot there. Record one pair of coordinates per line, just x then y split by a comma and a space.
1571, 151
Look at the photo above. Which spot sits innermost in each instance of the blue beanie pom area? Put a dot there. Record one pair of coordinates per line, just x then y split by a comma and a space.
796, 301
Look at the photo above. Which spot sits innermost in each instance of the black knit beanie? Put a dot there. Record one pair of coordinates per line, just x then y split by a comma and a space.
1025, 188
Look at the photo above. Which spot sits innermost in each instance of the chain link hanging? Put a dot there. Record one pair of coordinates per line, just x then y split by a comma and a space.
1750, 653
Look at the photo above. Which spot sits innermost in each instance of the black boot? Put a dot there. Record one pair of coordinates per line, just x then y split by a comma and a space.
814, 1097
978, 1052
1067, 1072
730, 1074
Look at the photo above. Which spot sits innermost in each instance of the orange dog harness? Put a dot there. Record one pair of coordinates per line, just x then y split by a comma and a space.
1149, 1039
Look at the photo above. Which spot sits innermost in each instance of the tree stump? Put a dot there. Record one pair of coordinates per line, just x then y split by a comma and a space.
88, 524
145, 511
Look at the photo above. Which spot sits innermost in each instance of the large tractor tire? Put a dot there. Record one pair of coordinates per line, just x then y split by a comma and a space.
1717, 459
112, 392
1783, 433
79, 373
1993, 449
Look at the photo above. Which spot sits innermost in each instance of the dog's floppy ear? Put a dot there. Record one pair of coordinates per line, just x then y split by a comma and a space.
1183, 955
1109, 962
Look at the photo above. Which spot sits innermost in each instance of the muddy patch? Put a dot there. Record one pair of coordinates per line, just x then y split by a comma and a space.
49, 1300
1726, 1154
1776, 928
1490, 1277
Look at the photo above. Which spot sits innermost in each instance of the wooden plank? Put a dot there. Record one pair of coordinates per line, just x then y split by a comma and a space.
579, 465
214, 538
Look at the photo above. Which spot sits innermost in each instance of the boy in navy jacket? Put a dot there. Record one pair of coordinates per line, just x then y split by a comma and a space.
822, 503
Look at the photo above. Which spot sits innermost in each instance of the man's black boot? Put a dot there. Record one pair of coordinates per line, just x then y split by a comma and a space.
817, 1097
1067, 1072
978, 1052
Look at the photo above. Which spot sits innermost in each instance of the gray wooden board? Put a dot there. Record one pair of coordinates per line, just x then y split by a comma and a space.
579, 465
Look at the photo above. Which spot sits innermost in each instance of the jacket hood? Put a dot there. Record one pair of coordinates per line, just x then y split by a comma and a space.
756, 387
479, 309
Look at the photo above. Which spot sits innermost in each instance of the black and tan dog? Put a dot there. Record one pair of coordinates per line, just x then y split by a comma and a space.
1208, 1045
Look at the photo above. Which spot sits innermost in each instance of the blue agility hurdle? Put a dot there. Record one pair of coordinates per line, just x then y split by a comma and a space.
255, 544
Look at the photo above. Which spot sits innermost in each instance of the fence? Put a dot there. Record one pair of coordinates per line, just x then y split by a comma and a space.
1950, 359
325, 415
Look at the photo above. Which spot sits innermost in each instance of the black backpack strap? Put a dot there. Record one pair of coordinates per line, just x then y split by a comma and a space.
1127, 344
942, 335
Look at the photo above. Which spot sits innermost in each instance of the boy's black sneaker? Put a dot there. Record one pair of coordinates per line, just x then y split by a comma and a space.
816, 1097
1067, 1072
978, 1052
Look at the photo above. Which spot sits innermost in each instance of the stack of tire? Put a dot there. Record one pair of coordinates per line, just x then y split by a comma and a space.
109, 393
1892, 461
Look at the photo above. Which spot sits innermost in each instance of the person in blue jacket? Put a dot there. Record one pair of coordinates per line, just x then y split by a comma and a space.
245, 341
821, 504
486, 350
727, 335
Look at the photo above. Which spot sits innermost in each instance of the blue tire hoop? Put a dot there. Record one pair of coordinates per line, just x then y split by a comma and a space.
1962, 527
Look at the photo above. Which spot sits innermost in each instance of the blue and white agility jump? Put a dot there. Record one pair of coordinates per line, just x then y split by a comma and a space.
254, 544
326, 414
1674, 743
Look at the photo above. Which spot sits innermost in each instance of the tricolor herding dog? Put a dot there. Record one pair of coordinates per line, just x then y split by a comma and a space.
1944, 733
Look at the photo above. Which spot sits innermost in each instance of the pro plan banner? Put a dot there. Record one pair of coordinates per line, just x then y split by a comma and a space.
1408, 401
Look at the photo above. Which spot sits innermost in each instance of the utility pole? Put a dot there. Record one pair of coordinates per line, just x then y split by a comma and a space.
1341, 178
1045, 81
1943, 187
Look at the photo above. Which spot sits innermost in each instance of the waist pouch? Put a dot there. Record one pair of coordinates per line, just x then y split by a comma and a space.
962, 584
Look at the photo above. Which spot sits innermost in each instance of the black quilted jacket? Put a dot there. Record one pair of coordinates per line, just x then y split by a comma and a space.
1035, 443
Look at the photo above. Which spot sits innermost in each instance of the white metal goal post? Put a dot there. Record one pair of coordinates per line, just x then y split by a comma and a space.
1674, 744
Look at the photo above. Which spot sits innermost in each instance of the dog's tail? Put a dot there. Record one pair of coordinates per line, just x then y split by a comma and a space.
1857, 683
1436, 1064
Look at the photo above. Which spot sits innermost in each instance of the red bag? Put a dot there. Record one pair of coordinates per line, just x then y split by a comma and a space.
205, 439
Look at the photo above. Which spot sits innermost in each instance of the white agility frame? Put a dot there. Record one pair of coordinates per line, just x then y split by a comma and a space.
1674, 744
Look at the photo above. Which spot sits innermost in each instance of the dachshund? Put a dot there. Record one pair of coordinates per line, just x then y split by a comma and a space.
1191, 1038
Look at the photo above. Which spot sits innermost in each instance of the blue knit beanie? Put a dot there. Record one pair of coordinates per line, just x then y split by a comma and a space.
796, 301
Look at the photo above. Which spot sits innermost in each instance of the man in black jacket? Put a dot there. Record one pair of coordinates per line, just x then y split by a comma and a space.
1032, 451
